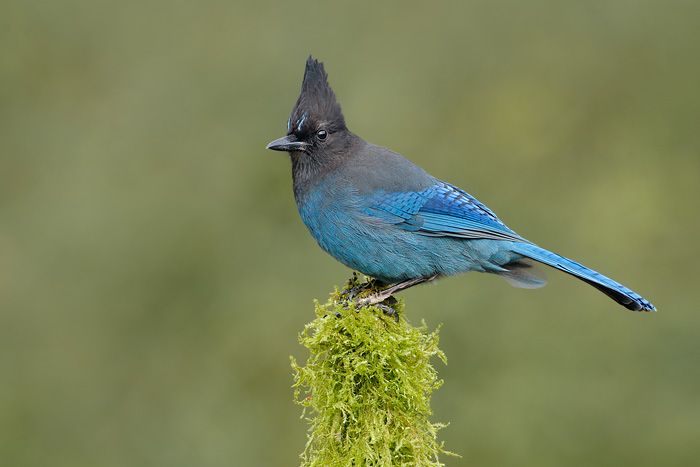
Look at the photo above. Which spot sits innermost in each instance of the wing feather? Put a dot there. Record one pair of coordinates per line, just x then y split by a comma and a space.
442, 210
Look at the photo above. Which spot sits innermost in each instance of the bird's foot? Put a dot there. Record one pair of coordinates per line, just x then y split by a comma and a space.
382, 299
355, 288
387, 308
379, 297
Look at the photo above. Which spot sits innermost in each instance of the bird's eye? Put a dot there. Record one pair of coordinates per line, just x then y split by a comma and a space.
322, 134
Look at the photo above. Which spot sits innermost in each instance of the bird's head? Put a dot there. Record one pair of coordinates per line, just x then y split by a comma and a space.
316, 121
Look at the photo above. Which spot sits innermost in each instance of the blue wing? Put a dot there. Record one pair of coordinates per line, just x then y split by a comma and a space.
445, 210
442, 210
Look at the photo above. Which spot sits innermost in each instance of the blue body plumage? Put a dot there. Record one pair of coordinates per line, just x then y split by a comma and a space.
378, 213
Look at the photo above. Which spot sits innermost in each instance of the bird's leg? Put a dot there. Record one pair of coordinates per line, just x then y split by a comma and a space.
352, 292
382, 299
379, 297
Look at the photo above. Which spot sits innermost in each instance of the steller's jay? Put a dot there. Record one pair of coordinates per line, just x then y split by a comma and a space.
379, 213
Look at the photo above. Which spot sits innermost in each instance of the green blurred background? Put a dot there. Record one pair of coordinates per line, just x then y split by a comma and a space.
154, 272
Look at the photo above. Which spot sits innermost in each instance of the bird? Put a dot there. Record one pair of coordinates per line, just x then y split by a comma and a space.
380, 214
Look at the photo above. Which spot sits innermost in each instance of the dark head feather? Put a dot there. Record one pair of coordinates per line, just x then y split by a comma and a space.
316, 105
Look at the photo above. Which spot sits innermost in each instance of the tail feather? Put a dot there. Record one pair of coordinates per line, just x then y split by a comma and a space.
524, 274
609, 287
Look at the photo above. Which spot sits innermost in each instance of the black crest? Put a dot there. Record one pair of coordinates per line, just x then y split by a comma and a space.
316, 105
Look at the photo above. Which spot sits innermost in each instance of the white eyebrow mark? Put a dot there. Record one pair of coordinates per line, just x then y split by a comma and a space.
301, 122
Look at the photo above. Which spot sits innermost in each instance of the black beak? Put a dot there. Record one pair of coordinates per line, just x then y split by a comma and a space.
288, 143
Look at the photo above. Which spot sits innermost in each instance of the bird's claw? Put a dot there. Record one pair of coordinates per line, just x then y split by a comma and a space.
383, 302
381, 297
387, 307
351, 292
336, 313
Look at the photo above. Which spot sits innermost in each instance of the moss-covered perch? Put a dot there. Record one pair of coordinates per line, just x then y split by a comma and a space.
368, 383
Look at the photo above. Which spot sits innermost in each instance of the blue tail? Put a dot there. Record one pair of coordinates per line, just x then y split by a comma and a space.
609, 287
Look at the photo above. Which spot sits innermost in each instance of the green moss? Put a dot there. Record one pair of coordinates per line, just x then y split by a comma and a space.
368, 382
